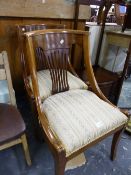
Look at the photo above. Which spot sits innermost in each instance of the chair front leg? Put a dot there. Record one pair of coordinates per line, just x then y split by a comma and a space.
26, 149
60, 163
115, 142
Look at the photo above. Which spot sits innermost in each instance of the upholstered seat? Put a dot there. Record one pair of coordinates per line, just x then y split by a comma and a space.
45, 83
78, 117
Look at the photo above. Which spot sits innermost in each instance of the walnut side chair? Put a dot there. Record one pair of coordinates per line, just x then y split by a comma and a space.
12, 126
72, 117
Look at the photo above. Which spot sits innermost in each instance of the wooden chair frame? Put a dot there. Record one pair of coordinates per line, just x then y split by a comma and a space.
54, 143
5, 75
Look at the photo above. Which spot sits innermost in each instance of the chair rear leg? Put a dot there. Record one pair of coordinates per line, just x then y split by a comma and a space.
115, 142
26, 149
60, 166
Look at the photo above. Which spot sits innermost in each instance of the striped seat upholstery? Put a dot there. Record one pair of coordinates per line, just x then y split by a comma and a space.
78, 117
45, 83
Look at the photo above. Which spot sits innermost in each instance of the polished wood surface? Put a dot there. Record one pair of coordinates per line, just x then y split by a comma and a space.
21, 29
37, 39
9, 42
31, 8
40, 58
14, 13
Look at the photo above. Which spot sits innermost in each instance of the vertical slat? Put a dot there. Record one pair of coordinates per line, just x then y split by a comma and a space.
2, 69
2, 74
1, 60
57, 64
40, 59
9, 81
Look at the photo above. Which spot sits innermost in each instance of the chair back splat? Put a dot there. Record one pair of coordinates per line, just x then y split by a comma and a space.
56, 61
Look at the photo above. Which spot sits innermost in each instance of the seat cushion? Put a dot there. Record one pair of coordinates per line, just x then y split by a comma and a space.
45, 83
11, 123
78, 117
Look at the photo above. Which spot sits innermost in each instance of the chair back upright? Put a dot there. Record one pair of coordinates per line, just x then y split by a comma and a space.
6, 75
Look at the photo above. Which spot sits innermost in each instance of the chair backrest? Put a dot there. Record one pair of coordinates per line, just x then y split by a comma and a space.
55, 47
6, 76
32, 27
21, 29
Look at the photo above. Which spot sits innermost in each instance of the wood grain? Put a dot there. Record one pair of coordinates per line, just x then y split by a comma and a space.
9, 42
16, 12
49, 9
